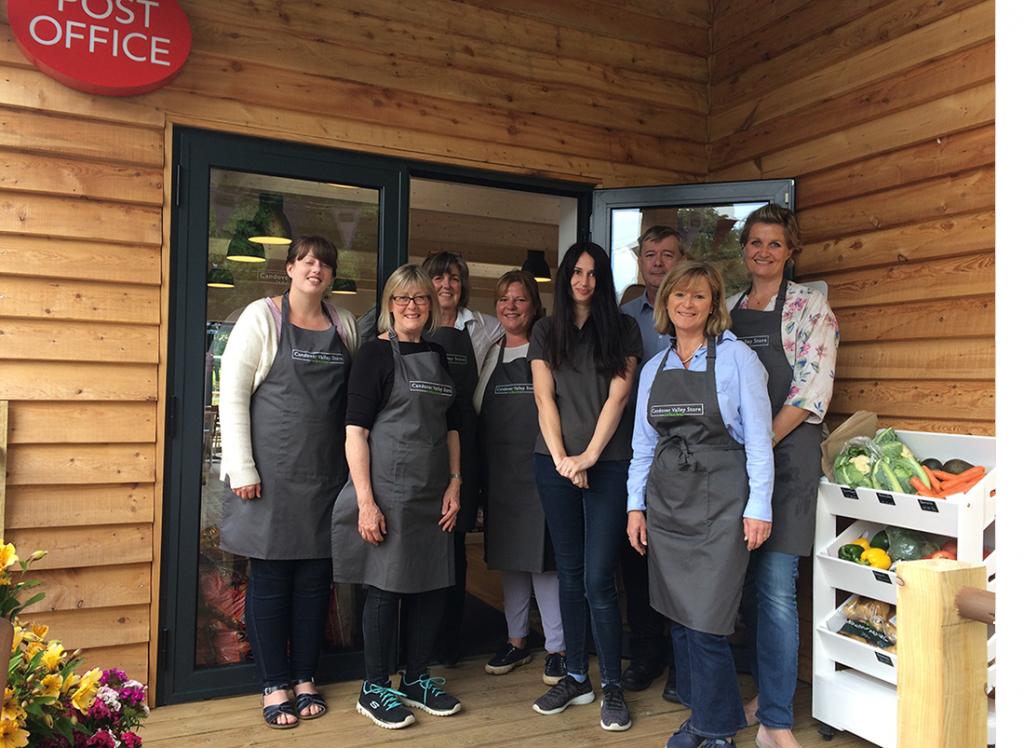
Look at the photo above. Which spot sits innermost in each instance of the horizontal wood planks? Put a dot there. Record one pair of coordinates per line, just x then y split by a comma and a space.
884, 113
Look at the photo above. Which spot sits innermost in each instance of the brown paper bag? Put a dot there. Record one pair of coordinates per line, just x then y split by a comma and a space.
861, 423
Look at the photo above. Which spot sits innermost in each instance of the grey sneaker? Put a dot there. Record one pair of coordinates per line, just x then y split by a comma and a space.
614, 712
381, 704
554, 668
424, 693
567, 691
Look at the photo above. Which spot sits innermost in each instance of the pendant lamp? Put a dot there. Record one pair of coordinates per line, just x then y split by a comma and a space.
243, 249
270, 223
220, 278
345, 286
537, 266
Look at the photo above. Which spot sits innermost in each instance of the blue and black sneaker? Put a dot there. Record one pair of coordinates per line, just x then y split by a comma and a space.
424, 693
383, 706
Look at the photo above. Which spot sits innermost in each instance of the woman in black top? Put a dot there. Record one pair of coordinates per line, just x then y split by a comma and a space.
392, 522
582, 359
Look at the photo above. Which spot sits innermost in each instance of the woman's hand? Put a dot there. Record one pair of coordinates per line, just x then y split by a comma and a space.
571, 466
450, 505
247, 492
636, 529
755, 532
372, 527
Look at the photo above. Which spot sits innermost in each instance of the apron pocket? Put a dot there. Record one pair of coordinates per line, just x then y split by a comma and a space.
678, 501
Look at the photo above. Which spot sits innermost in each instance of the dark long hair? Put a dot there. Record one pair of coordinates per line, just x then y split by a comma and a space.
606, 332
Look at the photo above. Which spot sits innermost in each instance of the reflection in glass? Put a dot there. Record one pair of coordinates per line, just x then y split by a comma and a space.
348, 217
710, 233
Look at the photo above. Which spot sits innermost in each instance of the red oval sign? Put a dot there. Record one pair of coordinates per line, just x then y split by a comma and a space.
108, 47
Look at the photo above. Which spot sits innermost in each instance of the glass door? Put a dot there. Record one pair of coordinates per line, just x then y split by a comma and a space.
709, 216
241, 204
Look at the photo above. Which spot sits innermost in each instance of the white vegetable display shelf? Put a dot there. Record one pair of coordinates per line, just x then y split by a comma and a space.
854, 683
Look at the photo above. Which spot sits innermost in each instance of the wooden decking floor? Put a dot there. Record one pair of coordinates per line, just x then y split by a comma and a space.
496, 712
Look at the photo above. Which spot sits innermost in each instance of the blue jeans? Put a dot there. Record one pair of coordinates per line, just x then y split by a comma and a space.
706, 683
773, 636
586, 527
286, 605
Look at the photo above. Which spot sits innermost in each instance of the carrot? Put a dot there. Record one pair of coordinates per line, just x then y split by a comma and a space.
943, 475
949, 487
922, 489
932, 478
977, 470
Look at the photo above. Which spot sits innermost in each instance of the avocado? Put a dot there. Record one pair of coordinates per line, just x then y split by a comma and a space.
931, 463
956, 466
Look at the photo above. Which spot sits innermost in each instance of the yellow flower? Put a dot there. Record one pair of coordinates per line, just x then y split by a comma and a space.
53, 656
12, 735
50, 685
31, 649
40, 630
8, 556
12, 709
86, 693
19, 633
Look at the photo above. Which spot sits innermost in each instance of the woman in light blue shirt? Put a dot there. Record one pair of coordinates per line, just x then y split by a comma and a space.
702, 470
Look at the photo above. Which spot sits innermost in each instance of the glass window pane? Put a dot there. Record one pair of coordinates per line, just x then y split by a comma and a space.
245, 206
710, 232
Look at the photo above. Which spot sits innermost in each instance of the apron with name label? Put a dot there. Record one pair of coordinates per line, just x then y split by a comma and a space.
516, 533
297, 417
697, 490
408, 475
798, 456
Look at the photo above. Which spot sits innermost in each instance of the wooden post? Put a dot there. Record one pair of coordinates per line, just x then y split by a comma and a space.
942, 661
3, 467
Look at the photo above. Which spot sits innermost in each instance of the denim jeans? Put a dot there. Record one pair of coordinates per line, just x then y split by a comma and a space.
586, 527
769, 611
286, 605
380, 631
706, 683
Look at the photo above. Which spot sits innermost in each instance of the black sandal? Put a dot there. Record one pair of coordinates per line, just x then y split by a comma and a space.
272, 712
304, 701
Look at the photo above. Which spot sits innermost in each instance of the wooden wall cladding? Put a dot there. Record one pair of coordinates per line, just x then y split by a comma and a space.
884, 112
588, 90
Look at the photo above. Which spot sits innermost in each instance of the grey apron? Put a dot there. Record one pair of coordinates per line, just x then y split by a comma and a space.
798, 456
298, 443
696, 493
516, 533
409, 475
462, 364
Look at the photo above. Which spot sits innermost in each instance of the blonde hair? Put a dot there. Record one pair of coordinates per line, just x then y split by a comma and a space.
686, 274
407, 278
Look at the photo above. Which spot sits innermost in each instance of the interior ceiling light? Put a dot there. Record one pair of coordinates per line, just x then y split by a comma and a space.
241, 248
345, 286
537, 266
270, 224
220, 278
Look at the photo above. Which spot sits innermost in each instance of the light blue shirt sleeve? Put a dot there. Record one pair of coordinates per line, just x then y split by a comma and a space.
742, 389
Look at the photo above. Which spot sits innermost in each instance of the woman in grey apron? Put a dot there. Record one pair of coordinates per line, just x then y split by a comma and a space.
392, 523
794, 333
284, 477
702, 469
466, 337
517, 540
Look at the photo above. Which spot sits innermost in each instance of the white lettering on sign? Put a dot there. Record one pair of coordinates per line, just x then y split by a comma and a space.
111, 47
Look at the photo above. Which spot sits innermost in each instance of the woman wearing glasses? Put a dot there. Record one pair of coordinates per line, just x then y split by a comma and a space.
393, 520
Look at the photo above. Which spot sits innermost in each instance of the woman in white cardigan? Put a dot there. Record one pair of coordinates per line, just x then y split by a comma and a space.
284, 377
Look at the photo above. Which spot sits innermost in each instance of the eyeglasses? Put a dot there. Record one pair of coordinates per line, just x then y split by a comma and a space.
421, 300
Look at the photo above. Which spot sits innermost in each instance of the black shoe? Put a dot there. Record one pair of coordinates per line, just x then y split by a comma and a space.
554, 668
425, 693
669, 694
639, 674
381, 704
567, 691
614, 712
508, 658
447, 654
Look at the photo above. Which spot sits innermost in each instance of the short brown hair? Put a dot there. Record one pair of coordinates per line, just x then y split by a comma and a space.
775, 215
656, 234
530, 287
321, 248
441, 263
408, 278
686, 274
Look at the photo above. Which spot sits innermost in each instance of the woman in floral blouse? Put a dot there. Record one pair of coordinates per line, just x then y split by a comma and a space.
794, 333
